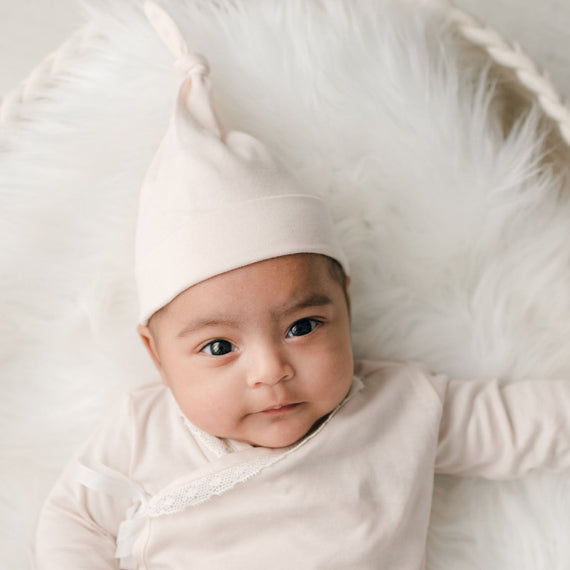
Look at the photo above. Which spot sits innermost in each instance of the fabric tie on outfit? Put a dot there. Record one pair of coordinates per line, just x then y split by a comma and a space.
101, 478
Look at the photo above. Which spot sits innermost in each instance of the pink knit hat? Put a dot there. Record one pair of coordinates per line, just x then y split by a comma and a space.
214, 201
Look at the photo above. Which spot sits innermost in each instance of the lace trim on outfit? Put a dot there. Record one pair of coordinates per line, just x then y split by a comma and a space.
204, 488
200, 490
216, 446
175, 499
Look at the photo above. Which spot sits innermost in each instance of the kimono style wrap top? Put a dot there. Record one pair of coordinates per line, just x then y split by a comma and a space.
151, 491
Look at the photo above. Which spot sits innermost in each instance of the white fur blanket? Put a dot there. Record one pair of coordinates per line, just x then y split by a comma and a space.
456, 222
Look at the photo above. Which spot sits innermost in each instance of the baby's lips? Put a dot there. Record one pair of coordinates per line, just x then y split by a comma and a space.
280, 407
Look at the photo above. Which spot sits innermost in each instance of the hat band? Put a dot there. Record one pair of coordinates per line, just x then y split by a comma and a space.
223, 239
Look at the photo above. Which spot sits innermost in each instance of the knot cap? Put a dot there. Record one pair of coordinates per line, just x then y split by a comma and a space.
192, 63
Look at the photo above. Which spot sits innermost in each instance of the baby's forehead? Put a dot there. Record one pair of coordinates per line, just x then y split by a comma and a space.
292, 274
297, 278
301, 269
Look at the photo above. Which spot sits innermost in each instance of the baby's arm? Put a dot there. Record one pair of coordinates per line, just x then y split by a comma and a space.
501, 431
77, 526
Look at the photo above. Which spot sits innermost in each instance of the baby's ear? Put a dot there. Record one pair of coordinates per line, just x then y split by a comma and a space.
148, 340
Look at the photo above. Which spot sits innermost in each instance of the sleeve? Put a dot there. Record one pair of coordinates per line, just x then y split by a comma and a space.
501, 431
77, 527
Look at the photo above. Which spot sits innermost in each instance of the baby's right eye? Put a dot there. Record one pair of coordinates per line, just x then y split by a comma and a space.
218, 347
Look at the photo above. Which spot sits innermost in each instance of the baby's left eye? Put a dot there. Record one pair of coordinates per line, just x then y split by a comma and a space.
302, 327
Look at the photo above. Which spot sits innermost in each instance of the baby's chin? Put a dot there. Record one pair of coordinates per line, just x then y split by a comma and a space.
275, 443
281, 438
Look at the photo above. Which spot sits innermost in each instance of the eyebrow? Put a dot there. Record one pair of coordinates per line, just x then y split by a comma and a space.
316, 300
198, 324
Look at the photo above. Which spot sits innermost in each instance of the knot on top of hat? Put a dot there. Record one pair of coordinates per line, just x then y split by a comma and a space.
186, 61
213, 201
190, 63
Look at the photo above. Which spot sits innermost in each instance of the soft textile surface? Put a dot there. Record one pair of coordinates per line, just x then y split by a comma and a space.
457, 229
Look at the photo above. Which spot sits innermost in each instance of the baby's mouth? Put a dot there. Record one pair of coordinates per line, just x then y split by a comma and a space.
280, 409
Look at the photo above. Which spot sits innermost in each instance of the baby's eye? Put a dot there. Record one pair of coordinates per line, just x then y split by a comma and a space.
218, 347
302, 327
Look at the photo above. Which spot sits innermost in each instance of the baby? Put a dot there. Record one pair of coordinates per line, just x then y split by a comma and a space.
266, 445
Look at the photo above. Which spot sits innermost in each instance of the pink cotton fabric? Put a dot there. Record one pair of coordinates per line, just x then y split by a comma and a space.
212, 200
356, 494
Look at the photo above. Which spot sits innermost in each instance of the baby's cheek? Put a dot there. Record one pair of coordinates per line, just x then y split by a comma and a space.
217, 406
343, 371
206, 400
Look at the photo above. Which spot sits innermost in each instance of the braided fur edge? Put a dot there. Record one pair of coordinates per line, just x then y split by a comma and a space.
511, 56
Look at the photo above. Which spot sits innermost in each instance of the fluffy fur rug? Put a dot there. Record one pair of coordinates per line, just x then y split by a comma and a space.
454, 212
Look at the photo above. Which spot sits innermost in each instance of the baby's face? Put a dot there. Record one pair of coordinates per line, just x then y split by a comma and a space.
257, 354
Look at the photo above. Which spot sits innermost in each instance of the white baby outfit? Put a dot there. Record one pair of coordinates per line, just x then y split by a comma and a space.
353, 494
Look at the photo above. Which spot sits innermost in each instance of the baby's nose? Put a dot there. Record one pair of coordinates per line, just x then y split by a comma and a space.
269, 367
